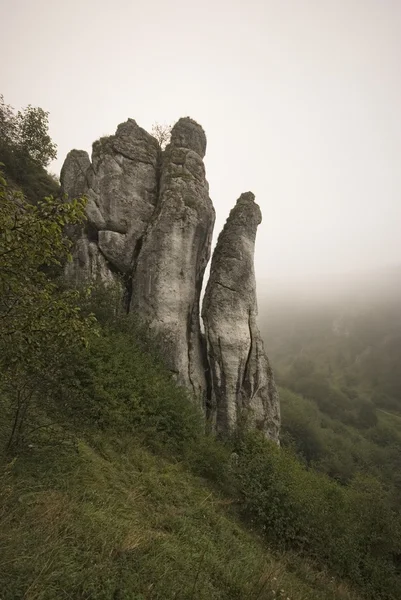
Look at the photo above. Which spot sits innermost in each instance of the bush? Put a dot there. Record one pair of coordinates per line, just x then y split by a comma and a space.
353, 531
119, 386
40, 323
26, 150
33, 179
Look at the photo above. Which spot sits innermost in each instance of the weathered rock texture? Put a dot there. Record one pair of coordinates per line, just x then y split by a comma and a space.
242, 383
121, 187
150, 221
169, 272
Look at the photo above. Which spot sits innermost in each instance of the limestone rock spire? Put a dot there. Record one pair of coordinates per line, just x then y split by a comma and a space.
168, 275
242, 383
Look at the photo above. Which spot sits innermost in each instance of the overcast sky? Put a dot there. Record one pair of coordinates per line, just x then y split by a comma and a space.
300, 101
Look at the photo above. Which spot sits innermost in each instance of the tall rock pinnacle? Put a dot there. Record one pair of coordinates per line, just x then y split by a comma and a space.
242, 384
149, 224
169, 272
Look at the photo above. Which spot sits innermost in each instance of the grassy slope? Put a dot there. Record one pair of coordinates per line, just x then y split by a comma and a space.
88, 510
104, 518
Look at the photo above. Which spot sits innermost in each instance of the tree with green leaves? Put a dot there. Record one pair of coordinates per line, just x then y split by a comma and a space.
32, 124
40, 322
7, 122
27, 132
26, 149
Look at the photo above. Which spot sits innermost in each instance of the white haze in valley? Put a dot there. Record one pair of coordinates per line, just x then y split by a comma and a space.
300, 101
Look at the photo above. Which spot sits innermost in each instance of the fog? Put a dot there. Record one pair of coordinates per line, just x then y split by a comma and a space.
380, 288
300, 101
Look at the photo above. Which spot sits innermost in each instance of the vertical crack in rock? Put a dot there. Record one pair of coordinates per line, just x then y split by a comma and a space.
189, 354
243, 386
176, 248
242, 383
209, 409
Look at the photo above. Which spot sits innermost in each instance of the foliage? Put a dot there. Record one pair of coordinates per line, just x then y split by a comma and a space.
27, 131
354, 531
26, 149
341, 357
7, 121
41, 324
108, 519
339, 450
33, 137
123, 388
124, 514
343, 353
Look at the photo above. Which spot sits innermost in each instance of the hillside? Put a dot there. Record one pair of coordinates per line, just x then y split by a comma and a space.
100, 516
338, 346
349, 331
115, 482
114, 491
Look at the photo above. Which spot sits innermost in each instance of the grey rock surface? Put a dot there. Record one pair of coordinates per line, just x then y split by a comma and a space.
123, 178
73, 176
150, 220
88, 264
176, 249
121, 186
242, 383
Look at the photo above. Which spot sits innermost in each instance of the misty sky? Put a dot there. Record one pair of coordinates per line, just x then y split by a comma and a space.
300, 101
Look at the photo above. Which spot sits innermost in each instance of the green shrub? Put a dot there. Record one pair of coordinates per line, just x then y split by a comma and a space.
354, 531
119, 386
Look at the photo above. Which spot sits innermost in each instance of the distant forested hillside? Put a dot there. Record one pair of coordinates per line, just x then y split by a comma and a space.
336, 351
345, 338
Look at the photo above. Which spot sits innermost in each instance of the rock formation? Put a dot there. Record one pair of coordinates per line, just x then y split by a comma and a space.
150, 220
121, 188
168, 276
242, 384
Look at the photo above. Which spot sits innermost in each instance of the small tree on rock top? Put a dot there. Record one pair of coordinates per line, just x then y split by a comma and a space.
162, 133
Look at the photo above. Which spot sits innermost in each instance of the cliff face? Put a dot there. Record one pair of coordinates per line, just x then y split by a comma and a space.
150, 219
